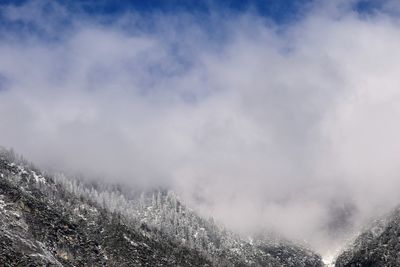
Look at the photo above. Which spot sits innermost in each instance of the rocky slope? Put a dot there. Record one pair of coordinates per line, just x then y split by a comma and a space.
378, 245
54, 221
56, 228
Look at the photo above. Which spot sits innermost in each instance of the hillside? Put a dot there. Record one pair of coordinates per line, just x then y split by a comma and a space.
378, 245
50, 220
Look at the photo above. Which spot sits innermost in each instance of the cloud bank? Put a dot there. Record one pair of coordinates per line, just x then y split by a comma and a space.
291, 128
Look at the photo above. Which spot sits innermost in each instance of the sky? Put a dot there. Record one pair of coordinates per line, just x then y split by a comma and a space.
268, 115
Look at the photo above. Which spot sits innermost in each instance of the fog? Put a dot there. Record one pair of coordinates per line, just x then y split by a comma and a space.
291, 128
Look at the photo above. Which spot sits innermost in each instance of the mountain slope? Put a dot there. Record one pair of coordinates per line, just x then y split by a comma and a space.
377, 246
55, 221
59, 229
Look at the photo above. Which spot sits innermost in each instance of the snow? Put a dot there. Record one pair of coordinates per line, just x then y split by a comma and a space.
2, 204
378, 228
251, 241
130, 241
48, 255
82, 217
38, 178
16, 214
93, 210
22, 170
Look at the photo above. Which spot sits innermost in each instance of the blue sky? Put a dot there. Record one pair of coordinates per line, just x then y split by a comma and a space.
272, 11
278, 10
207, 14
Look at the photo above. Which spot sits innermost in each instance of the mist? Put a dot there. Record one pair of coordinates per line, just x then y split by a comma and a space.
288, 128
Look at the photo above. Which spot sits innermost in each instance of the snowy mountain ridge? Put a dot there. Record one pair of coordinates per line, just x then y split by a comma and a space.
53, 220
